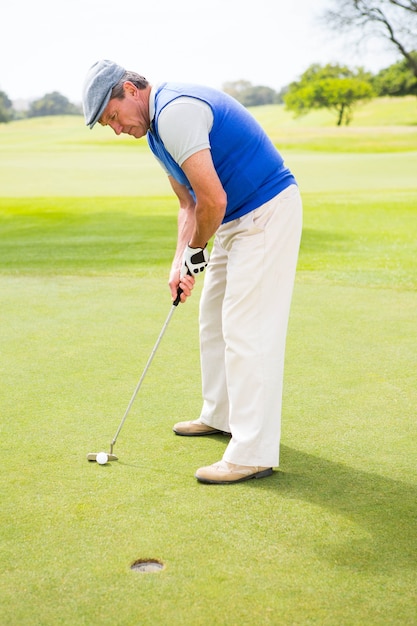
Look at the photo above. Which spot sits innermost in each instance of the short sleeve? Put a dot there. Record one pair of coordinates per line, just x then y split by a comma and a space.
184, 126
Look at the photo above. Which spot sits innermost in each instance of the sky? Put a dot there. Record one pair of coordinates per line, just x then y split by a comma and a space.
48, 45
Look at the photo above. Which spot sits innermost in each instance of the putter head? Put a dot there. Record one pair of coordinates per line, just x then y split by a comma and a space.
92, 456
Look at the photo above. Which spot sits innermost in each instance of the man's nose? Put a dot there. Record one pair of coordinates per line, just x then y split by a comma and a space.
116, 127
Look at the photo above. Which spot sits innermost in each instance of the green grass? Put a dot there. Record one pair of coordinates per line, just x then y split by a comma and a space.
330, 539
362, 238
87, 235
382, 125
61, 157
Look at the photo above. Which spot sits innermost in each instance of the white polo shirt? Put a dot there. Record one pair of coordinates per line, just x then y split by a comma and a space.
183, 125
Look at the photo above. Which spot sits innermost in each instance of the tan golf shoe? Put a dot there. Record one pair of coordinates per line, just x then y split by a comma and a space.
195, 429
224, 473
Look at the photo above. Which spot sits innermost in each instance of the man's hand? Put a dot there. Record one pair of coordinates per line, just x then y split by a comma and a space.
194, 261
183, 286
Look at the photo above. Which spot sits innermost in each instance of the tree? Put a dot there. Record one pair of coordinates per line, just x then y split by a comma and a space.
6, 108
250, 95
331, 87
396, 80
52, 104
393, 20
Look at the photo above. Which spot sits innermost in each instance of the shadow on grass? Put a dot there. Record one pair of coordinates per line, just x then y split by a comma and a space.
314, 240
385, 509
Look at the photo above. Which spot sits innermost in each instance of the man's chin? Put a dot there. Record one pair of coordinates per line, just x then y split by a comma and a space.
135, 132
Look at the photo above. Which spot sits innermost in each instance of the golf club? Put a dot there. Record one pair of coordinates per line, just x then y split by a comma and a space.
92, 456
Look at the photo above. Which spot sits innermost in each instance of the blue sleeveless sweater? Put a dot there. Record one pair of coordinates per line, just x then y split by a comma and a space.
247, 163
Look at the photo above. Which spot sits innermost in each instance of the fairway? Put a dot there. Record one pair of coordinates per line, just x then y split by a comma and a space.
87, 232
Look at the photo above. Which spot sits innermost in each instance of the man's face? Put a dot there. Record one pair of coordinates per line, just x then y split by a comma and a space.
129, 115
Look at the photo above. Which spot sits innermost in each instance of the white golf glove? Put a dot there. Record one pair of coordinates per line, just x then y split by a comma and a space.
194, 261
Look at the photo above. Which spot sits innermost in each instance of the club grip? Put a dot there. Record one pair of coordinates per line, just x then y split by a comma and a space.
179, 292
178, 298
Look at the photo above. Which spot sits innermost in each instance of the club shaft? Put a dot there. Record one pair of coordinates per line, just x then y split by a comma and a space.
138, 386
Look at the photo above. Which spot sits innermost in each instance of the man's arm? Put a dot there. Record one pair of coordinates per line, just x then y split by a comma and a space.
186, 223
197, 221
211, 199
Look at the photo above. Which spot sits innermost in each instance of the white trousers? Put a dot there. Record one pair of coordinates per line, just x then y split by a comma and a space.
244, 310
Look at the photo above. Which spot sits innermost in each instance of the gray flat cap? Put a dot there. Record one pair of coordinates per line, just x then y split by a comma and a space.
100, 80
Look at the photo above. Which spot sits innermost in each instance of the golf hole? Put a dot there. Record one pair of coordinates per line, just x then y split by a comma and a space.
147, 565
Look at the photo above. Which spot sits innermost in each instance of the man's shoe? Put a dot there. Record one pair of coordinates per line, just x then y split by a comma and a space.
224, 473
195, 429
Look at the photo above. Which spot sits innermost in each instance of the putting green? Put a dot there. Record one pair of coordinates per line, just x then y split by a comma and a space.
336, 523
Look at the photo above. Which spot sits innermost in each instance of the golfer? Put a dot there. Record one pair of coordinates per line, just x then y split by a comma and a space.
232, 185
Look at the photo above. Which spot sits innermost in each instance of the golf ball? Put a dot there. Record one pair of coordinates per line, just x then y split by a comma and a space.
102, 458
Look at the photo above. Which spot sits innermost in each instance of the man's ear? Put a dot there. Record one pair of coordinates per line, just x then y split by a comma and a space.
129, 88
